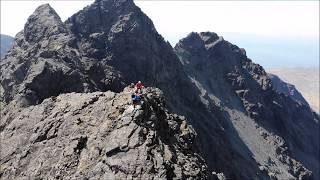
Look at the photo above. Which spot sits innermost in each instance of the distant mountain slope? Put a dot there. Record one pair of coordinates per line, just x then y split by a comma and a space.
6, 44
306, 80
287, 89
228, 80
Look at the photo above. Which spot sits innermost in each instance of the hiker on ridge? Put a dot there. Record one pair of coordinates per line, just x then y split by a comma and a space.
138, 87
136, 98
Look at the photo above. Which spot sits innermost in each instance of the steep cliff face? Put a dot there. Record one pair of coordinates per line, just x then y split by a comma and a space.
282, 135
42, 63
119, 41
106, 46
117, 34
245, 129
87, 54
99, 135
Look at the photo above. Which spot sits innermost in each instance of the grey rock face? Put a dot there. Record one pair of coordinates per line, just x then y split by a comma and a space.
243, 90
86, 53
99, 136
245, 130
41, 63
106, 56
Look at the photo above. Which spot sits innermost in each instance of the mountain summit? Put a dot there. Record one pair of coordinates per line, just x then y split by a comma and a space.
42, 24
286, 132
53, 92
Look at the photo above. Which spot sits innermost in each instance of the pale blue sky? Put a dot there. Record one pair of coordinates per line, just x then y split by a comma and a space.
273, 32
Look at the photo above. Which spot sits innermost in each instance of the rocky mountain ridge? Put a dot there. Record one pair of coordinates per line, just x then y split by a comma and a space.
245, 129
243, 91
100, 135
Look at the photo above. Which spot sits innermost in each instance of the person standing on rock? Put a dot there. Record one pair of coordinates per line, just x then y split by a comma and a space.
135, 99
138, 87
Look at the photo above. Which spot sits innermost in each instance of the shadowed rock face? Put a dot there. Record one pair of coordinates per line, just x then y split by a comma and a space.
85, 54
100, 136
245, 129
42, 63
103, 47
286, 131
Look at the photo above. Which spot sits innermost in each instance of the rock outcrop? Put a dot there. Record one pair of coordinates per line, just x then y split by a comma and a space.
53, 92
42, 63
99, 135
86, 53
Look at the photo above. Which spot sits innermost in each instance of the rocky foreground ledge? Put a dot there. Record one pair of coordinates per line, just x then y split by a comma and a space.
99, 135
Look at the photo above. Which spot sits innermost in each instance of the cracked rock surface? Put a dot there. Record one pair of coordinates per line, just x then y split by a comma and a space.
100, 135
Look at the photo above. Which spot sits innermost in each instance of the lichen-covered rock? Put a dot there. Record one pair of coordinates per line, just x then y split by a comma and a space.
100, 136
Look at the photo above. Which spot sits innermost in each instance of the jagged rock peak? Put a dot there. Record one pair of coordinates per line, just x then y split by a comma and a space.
193, 40
106, 5
113, 2
45, 8
102, 15
200, 40
208, 37
191, 37
42, 23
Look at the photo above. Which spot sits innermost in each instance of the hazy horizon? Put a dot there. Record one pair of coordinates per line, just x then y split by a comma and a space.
288, 37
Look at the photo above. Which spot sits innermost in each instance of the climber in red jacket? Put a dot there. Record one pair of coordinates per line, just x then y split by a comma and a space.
138, 87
